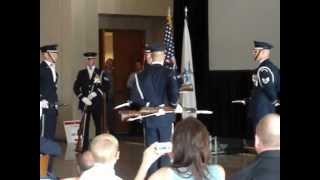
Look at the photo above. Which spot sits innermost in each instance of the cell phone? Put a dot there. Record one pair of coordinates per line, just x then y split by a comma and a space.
164, 147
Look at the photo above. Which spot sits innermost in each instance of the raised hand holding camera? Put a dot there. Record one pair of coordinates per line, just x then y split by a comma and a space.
163, 147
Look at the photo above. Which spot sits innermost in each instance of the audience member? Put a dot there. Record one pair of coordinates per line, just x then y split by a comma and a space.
147, 55
85, 161
48, 146
51, 148
267, 144
69, 178
108, 68
105, 151
131, 80
190, 155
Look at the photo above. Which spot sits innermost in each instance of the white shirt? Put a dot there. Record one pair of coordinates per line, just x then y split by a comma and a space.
100, 171
53, 69
157, 62
90, 71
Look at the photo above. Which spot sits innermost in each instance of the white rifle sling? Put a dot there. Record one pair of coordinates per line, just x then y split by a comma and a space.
138, 86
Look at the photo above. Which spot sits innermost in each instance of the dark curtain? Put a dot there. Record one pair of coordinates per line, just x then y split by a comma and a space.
198, 27
229, 120
214, 89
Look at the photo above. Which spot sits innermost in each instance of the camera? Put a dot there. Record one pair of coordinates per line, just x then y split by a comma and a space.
164, 147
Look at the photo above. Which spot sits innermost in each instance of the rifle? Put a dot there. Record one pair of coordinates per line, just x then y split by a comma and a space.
126, 114
245, 101
132, 115
103, 123
186, 87
82, 127
81, 130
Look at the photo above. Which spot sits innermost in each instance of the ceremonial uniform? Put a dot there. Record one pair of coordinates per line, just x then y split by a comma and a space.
109, 102
48, 93
48, 102
85, 85
156, 86
266, 81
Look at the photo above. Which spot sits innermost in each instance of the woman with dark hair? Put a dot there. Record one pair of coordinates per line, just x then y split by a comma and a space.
190, 155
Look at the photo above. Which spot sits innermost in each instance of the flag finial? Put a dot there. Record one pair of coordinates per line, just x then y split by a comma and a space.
185, 11
169, 20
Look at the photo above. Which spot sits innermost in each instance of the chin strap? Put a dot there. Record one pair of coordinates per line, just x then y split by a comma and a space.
259, 51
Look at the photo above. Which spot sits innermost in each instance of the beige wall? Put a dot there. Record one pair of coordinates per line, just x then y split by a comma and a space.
234, 25
134, 7
73, 25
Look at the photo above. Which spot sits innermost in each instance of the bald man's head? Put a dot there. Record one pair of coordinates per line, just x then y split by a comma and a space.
104, 148
268, 132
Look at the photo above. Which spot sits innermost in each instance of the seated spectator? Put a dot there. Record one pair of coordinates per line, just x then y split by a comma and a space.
105, 151
267, 144
49, 147
85, 161
190, 155
70, 178
131, 80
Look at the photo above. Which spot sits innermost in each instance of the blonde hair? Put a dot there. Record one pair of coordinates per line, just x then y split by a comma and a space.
104, 148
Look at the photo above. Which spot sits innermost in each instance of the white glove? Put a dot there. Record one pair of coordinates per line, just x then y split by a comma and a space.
40, 110
276, 103
255, 80
92, 95
97, 80
44, 104
178, 109
86, 101
160, 112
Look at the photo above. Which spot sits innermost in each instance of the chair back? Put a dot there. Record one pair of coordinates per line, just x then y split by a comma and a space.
44, 161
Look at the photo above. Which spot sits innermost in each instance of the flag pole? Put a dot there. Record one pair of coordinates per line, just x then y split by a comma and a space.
169, 18
185, 12
187, 90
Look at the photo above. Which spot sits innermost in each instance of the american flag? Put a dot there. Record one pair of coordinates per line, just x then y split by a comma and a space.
169, 44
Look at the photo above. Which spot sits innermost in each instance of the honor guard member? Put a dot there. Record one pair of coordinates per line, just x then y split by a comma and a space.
155, 87
48, 91
108, 70
147, 56
89, 87
266, 84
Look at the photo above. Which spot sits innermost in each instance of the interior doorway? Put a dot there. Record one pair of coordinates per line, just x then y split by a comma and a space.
124, 48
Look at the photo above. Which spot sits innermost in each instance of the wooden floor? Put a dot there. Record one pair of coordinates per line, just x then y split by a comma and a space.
131, 150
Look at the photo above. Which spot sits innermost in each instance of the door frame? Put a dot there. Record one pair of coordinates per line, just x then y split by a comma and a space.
101, 54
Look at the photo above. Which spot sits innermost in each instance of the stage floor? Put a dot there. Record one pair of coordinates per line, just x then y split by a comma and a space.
131, 149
